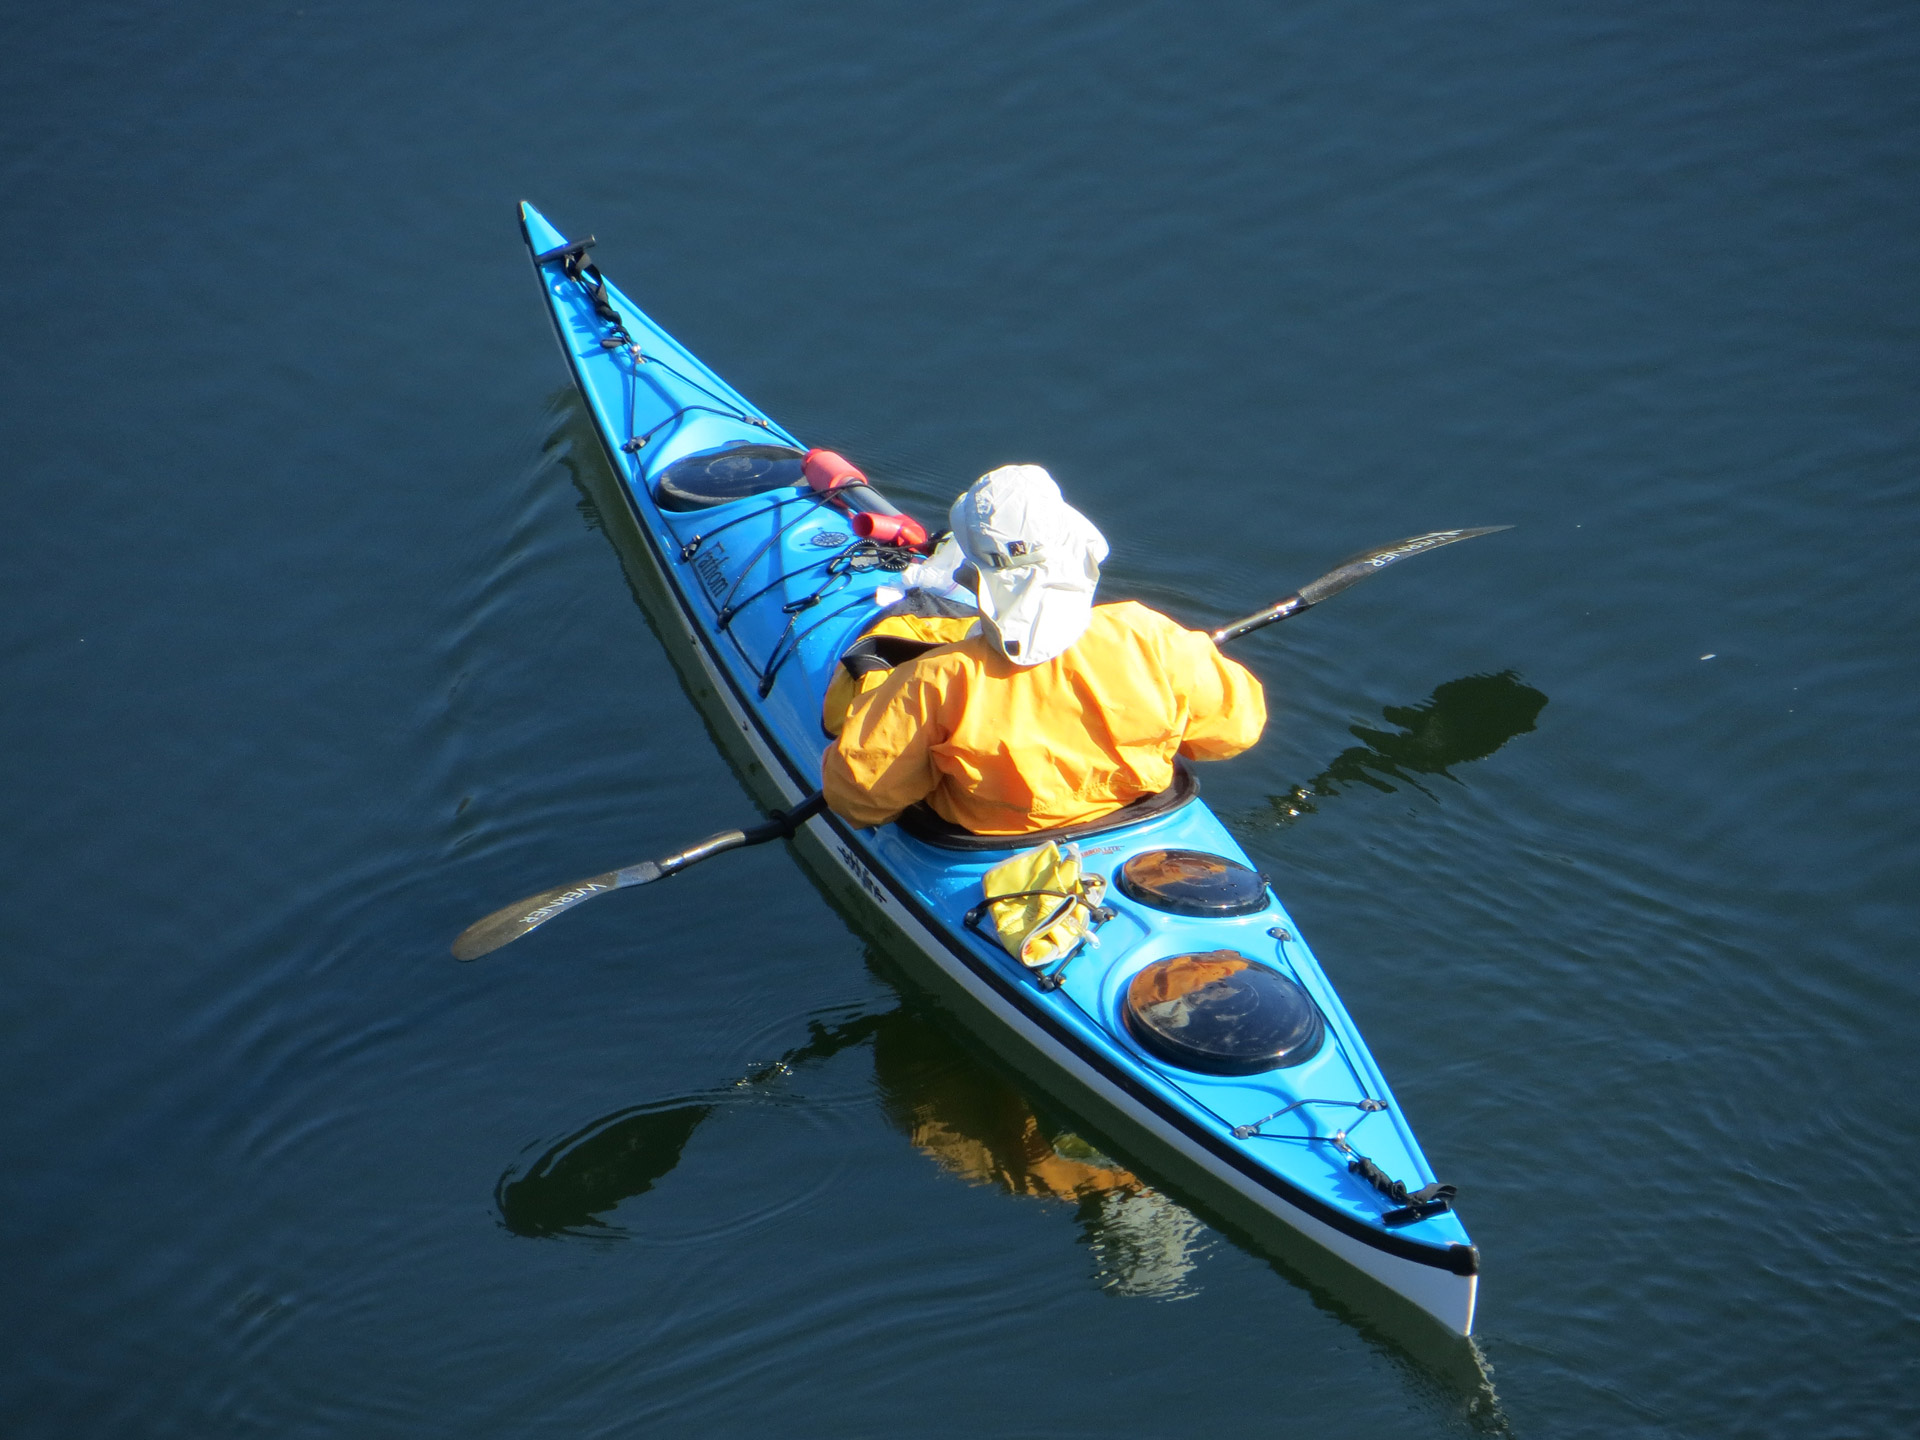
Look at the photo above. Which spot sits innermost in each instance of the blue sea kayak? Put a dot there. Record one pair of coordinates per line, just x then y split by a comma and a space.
758, 585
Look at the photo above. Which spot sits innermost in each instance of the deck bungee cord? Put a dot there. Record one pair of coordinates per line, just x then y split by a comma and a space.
635, 443
572, 259
838, 568
877, 556
885, 557
882, 553
1368, 1105
1411, 1206
692, 547
618, 340
779, 659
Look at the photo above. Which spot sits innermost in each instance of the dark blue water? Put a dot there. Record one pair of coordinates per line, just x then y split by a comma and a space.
314, 652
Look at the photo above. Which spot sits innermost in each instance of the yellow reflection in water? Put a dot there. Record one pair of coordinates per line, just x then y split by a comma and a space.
961, 1113
975, 1124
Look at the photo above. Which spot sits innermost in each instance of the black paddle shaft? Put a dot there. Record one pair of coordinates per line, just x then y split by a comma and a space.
782, 824
510, 922
1346, 573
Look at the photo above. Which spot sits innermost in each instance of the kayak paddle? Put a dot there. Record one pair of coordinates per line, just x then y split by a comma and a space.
511, 922
1346, 573
515, 920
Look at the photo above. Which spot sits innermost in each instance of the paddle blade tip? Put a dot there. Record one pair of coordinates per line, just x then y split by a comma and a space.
509, 923
483, 937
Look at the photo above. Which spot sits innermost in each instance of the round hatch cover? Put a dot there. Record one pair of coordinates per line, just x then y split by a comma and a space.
700, 481
1222, 1014
1192, 882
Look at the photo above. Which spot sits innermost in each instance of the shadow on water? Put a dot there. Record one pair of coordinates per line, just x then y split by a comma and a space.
958, 1106
569, 1187
1462, 721
585, 1175
961, 1114
573, 444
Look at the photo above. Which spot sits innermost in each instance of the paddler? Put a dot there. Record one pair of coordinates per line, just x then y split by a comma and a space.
1051, 710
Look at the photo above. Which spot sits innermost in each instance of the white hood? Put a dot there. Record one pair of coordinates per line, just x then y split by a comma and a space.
1039, 560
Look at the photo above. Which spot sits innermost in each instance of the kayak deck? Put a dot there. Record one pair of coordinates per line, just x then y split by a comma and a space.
770, 589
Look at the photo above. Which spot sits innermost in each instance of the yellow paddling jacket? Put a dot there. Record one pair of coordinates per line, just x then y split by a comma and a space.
1002, 749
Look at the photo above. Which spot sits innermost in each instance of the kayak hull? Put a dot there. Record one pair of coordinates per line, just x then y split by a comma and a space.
902, 893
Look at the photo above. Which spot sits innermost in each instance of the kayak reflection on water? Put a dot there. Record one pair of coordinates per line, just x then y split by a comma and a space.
1462, 721
975, 1124
969, 1119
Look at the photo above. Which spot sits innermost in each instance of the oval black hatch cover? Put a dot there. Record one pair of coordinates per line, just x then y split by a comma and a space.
700, 481
1221, 1013
1192, 882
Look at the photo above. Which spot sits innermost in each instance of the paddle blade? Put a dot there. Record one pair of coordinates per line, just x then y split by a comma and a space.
1372, 562
512, 921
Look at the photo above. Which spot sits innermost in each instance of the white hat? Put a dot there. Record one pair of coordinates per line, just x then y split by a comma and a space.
1038, 558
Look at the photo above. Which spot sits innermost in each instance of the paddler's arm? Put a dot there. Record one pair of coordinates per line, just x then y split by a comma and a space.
947, 566
882, 761
1227, 708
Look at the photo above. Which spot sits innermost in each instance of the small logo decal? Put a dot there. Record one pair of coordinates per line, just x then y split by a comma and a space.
560, 902
711, 566
867, 882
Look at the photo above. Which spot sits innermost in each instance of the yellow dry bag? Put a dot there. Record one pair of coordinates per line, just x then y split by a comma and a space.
1042, 905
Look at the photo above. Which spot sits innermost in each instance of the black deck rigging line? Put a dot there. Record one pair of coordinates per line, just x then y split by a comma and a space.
1100, 914
828, 619
795, 609
640, 442
778, 659
1366, 1105
726, 606
731, 609
889, 558
692, 547
640, 358
1282, 936
1412, 1206
587, 276
765, 672
1045, 977
584, 273
725, 610
635, 442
